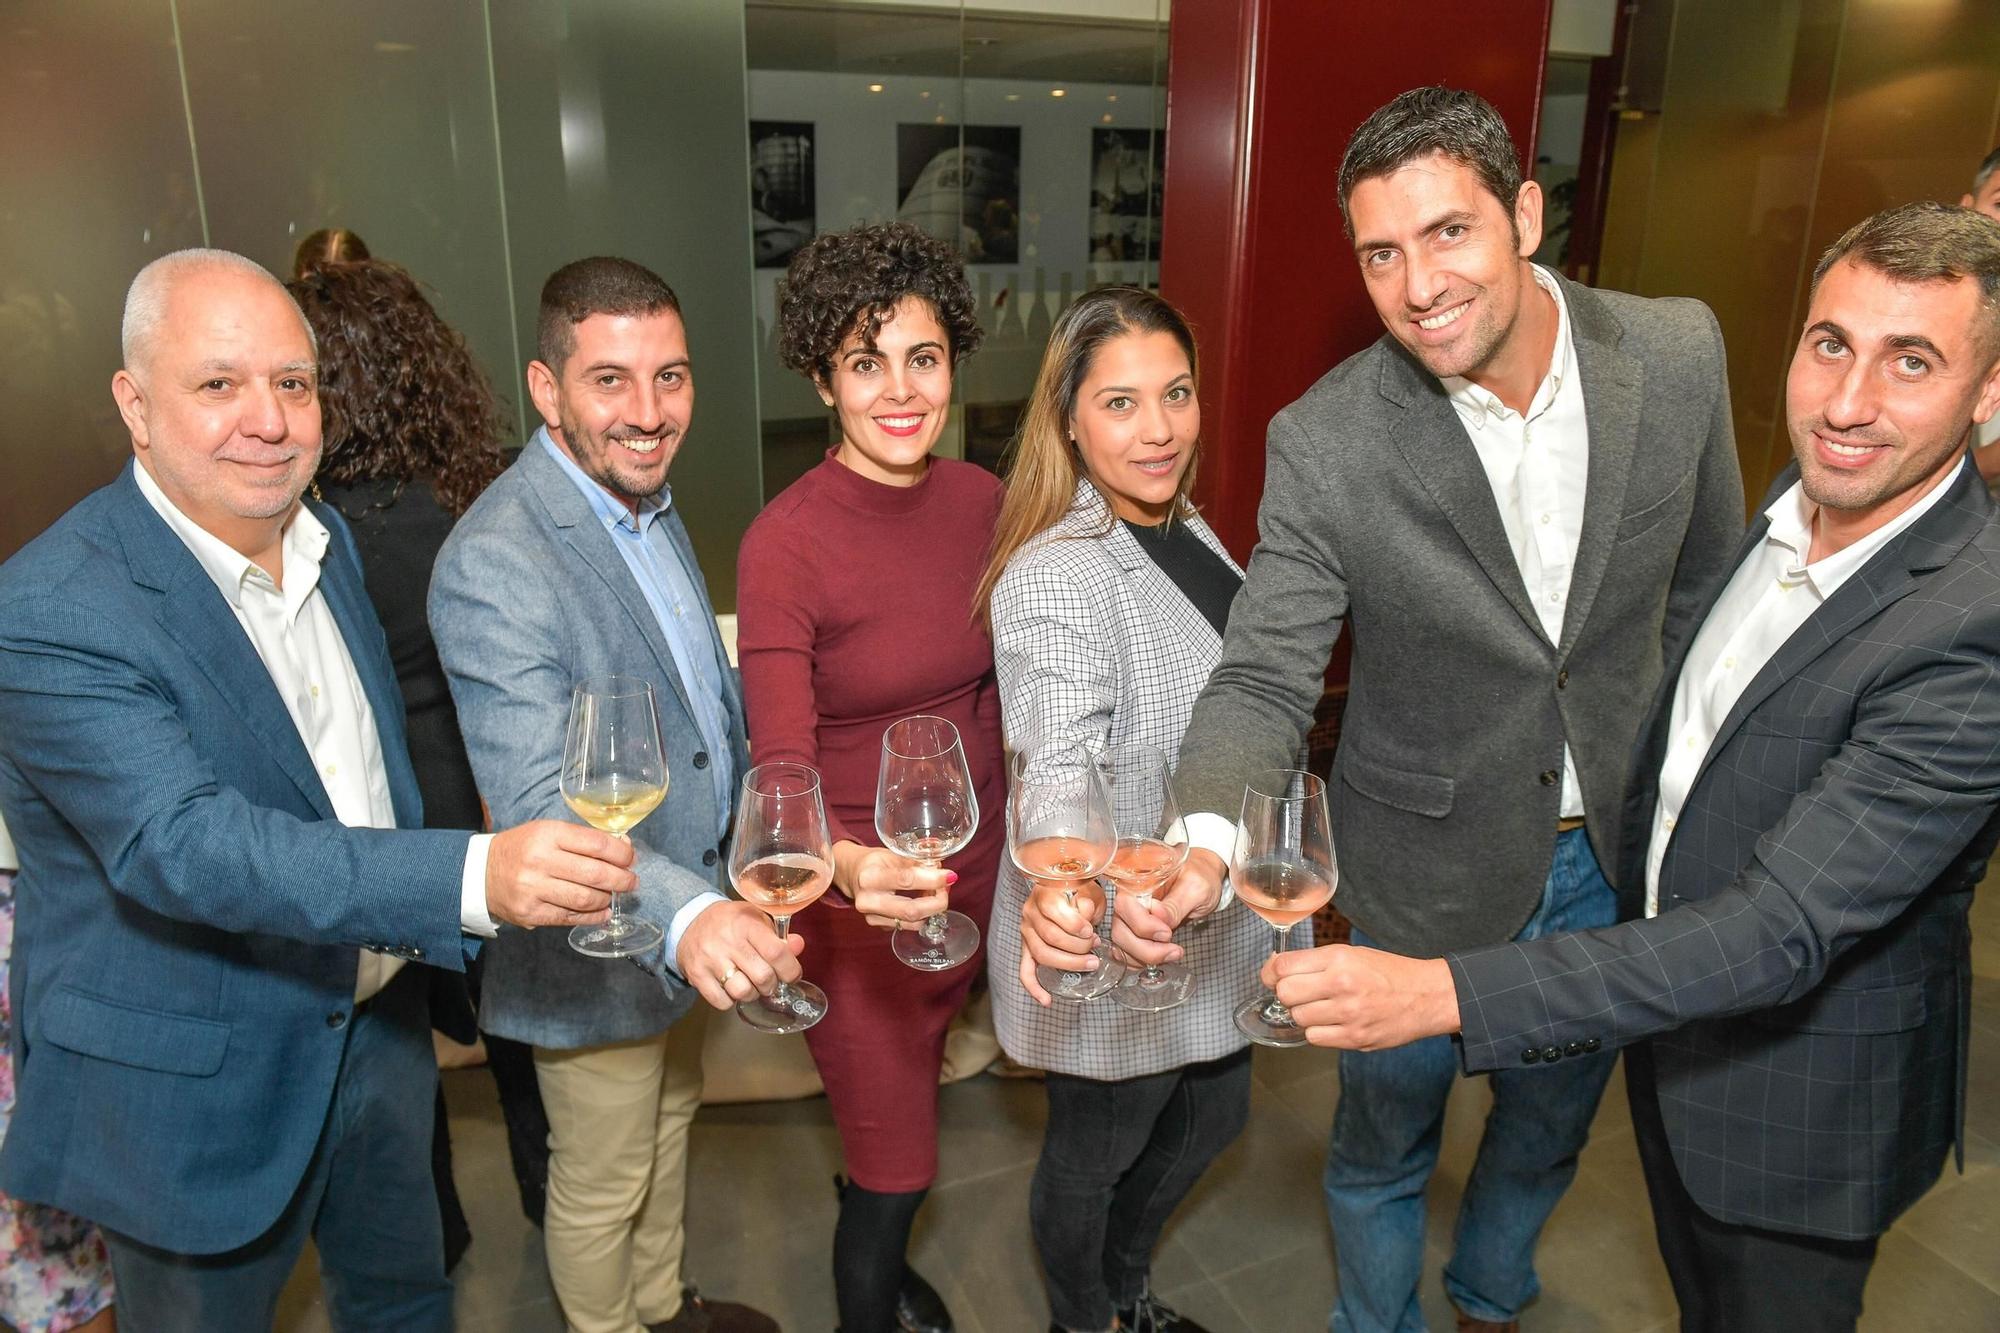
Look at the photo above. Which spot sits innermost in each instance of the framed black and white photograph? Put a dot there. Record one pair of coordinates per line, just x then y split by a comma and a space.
782, 203
1127, 168
968, 194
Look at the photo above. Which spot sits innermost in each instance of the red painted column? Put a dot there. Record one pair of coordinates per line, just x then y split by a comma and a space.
1262, 96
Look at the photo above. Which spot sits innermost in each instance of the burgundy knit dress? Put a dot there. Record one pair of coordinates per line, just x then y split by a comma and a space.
854, 609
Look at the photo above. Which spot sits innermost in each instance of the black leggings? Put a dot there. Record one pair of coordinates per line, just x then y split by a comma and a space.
1116, 1161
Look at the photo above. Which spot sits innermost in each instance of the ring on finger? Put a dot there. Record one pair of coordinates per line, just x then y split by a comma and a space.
728, 976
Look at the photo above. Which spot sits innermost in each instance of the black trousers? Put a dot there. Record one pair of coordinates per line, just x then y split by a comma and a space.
1730, 1278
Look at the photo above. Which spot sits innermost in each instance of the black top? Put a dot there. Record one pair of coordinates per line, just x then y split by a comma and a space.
398, 528
1203, 577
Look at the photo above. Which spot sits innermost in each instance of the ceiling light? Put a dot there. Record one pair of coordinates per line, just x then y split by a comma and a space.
874, 87
1058, 92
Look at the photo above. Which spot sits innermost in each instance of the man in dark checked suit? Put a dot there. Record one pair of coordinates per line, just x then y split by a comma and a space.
1517, 497
1819, 782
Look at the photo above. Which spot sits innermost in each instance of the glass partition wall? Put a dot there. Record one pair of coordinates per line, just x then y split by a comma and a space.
482, 143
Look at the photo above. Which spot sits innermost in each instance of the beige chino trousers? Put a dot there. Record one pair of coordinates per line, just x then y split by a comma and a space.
619, 1117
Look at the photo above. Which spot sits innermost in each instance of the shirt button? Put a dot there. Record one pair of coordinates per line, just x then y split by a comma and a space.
1545, 518
1555, 597
315, 691
700, 759
329, 770
1670, 823
1729, 664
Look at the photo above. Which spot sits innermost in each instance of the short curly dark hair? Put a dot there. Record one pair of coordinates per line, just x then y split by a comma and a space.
846, 282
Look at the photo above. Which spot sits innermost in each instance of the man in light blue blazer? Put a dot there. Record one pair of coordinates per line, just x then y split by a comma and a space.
223, 865
575, 564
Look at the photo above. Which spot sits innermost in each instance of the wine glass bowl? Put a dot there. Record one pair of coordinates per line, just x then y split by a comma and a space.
1059, 828
1151, 849
926, 810
1284, 871
614, 774
780, 860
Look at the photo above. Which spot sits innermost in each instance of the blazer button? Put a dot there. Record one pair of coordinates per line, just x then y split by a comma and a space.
1530, 1055
700, 759
1592, 1045
1574, 1048
1550, 778
708, 857
1551, 1054
337, 1019
1562, 679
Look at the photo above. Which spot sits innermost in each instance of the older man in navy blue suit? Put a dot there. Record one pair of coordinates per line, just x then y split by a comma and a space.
222, 861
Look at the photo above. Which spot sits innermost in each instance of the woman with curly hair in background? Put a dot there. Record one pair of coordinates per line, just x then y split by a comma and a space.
854, 605
412, 433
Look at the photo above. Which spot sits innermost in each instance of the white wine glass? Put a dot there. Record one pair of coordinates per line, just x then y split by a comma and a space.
926, 810
781, 859
1059, 828
1150, 851
614, 774
1283, 871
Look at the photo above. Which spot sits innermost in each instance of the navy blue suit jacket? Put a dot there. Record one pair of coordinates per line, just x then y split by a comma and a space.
190, 911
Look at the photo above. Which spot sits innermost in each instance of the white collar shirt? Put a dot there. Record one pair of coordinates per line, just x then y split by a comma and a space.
1538, 464
1770, 595
293, 632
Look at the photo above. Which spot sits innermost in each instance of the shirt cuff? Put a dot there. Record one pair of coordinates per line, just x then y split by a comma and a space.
473, 918
1214, 833
684, 918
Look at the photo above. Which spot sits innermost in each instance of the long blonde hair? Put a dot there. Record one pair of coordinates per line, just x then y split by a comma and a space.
1045, 464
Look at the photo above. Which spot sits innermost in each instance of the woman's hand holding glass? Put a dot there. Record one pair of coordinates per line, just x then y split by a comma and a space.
1058, 932
1060, 834
890, 891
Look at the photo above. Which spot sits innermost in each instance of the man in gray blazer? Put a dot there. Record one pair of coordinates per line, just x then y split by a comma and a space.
1819, 793
575, 563
1517, 498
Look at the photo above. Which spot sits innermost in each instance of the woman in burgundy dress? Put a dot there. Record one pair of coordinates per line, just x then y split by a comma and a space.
854, 606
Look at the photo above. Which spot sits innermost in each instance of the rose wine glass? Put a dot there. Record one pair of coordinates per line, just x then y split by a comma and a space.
614, 773
781, 859
1059, 828
926, 810
1150, 851
1284, 871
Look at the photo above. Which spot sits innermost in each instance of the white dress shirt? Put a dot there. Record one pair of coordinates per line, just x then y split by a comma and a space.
1538, 464
294, 633
1771, 594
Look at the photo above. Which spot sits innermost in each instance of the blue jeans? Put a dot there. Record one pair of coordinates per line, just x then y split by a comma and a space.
1385, 1146
366, 1199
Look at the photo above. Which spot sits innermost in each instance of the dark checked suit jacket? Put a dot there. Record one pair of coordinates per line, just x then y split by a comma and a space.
1805, 985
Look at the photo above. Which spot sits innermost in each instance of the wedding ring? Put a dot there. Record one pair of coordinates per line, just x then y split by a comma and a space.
729, 976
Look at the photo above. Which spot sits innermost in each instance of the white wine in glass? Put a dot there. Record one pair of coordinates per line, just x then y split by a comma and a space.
925, 809
1151, 849
781, 859
1059, 828
1283, 871
614, 774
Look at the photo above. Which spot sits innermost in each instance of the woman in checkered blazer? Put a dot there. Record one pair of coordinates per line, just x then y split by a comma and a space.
1107, 596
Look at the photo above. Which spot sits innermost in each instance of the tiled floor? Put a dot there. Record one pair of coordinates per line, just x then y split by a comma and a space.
1248, 1252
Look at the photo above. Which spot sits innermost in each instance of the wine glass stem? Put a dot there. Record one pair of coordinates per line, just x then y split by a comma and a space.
783, 925
1151, 976
617, 923
933, 929
1274, 1011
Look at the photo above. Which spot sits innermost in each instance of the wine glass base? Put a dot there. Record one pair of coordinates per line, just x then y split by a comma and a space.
1153, 990
1269, 1023
958, 941
617, 939
801, 1005
1083, 987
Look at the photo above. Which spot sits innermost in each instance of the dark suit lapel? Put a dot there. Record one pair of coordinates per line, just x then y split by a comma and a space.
194, 615
1613, 389
1433, 442
581, 528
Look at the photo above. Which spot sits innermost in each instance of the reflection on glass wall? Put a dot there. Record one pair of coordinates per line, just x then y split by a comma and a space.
1031, 140
1757, 134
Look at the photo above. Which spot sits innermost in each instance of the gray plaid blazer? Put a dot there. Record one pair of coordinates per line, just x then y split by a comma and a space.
1093, 643
1806, 986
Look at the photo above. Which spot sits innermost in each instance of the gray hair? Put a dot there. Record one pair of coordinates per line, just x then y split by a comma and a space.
146, 299
1462, 126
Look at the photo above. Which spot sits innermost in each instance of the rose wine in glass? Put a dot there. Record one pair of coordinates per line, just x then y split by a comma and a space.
781, 859
1059, 828
925, 809
1283, 871
1150, 852
614, 774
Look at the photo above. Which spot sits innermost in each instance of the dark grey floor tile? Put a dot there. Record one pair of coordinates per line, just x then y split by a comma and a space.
1959, 1220
1290, 1293
1913, 1288
1261, 1197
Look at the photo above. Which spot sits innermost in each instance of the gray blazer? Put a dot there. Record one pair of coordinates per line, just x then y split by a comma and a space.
1806, 985
1376, 511
529, 596
1095, 644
